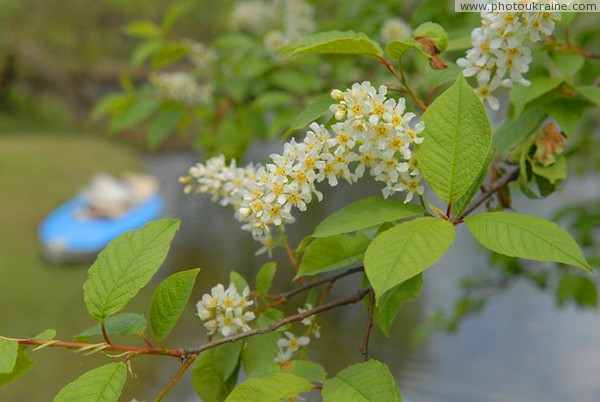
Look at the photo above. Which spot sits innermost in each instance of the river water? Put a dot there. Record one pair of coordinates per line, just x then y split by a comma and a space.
521, 347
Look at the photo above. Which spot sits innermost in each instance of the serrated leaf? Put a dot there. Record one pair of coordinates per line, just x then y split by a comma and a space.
364, 214
459, 205
163, 124
103, 384
274, 388
526, 236
169, 301
214, 372
335, 42
406, 250
125, 266
521, 95
518, 128
22, 364
370, 381
330, 253
312, 112
8, 355
264, 277
454, 147
394, 299
119, 324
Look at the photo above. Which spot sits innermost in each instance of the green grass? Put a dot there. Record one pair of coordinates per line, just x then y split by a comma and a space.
36, 174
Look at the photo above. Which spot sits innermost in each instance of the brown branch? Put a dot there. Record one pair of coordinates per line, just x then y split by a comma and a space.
105, 334
512, 176
186, 364
364, 348
358, 296
308, 286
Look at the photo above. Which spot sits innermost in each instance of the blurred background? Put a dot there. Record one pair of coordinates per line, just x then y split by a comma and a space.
153, 86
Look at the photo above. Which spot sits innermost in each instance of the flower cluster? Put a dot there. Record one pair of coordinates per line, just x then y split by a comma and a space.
201, 56
181, 87
289, 344
373, 134
499, 56
225, 310
280, 21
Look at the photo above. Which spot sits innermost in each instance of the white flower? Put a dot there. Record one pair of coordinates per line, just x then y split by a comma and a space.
225, 310
181, 87
395, 29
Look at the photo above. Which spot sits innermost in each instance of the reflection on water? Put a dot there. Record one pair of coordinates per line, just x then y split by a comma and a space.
520, 348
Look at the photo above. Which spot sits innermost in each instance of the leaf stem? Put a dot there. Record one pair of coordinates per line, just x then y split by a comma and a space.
186, 364
105, 334
364, 349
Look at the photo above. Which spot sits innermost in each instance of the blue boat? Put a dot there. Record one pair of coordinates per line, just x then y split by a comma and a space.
69, 234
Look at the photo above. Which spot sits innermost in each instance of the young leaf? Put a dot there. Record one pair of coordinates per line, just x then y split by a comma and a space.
331, 253
8, 355
305, 369
526, 236
517, 129
459, 205
22, 365
274, 388
364, 214
135, 113
312, 112
457, 141
143, 29
265, 276
169, 300
394, 299
335, 42
396, 48
406, 250
46, 335
214, 372
119, 324
102, 384
370, 381
568, 113
258, 355
125, 266
238, 281
520, 95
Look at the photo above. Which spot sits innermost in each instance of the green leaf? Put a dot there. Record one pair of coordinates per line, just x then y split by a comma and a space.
568, 63
394, 299
136, 113
406, 250
590, 92
264, 277
102, 384
46, 335
169, 301
305, 369
109, 104
463, 202
269, 316
312, 112
239, 281
120, 324
125, 266
258, 355
459, 43
555, 172
568, 113
517, 129
364, 214
162, 125
457, 139
397, 48
520, 95
214, 372
144, 51
143, 29
438, 78
335, 42
330, 253
526, 236
8, 355
273, 388
370, 381
22, 365
578, 289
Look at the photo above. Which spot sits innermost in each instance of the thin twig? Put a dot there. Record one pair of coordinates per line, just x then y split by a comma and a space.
358, 296
364, 349
308, 286
186, 364
512, 176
